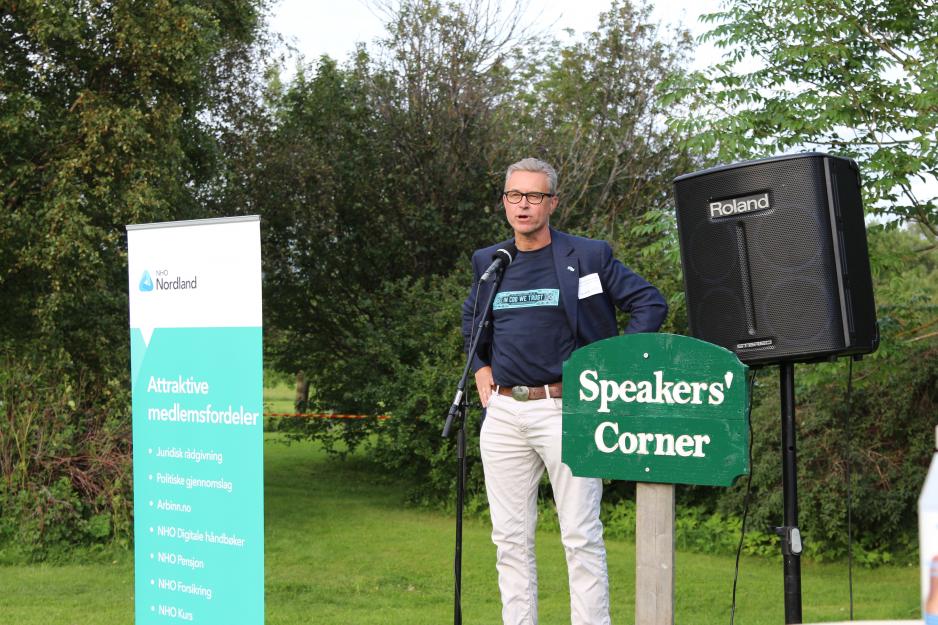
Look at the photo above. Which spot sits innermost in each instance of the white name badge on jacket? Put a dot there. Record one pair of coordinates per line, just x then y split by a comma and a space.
589, 285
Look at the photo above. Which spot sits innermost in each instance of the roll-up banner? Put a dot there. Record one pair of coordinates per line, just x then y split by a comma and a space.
197, 381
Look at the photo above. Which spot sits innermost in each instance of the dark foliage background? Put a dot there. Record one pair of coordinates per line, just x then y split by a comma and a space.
108, 114
378, 175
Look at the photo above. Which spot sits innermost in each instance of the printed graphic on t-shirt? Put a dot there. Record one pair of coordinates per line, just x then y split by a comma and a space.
526, 299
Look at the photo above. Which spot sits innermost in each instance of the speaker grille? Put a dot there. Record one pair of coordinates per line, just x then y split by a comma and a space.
713, 268
763, 281
801, 311
718, 307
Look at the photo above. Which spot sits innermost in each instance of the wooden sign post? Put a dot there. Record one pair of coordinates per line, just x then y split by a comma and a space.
657, 409
654, 554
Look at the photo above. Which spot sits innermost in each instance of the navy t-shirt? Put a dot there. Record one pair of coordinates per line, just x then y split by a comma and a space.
532, 336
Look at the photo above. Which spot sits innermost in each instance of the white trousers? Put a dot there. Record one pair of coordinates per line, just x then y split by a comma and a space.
519, 440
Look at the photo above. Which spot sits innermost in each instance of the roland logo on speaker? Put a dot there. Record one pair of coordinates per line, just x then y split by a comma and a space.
739, 205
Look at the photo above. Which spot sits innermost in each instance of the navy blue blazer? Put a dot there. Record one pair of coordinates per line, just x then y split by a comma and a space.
592, 317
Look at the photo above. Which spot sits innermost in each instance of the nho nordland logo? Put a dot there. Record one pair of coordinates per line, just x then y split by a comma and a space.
146, 282
164, 283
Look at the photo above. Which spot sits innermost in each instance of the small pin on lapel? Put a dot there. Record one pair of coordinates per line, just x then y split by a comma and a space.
569, 268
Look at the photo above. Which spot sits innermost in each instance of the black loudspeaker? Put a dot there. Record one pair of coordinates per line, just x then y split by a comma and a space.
775, 261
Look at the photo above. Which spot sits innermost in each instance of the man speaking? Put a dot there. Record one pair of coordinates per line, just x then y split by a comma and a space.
559, 293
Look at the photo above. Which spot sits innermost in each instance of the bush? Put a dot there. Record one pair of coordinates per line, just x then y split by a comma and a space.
888, 440
65, 460
414, 358
885, 434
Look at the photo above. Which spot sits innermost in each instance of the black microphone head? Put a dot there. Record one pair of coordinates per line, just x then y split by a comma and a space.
506, 252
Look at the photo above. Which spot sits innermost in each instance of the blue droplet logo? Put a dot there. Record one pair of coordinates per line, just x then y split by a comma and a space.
146, 282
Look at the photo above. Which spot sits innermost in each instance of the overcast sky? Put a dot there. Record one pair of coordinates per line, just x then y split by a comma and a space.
333, 27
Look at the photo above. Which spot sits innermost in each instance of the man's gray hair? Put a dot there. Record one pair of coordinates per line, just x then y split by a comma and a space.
536, 165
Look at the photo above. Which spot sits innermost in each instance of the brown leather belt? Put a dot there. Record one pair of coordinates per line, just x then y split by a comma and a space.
524, 393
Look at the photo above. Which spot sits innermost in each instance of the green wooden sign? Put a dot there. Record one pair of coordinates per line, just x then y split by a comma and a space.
656, 408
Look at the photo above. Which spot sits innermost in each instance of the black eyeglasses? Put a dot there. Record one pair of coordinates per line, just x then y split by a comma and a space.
534, 197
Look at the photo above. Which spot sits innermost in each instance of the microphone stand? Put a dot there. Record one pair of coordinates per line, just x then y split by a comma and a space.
458, 411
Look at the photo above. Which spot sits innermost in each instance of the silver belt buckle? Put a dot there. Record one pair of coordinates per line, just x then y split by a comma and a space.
520, 393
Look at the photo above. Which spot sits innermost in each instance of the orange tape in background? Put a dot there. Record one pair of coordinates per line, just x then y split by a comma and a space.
324, 415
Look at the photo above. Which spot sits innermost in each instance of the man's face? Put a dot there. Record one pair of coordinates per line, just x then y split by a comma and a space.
525, 218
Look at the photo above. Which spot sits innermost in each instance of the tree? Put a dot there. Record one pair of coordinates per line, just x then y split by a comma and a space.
858, 78
369, 173
377, 179
596, 109
103, 109
855, 78
100, 113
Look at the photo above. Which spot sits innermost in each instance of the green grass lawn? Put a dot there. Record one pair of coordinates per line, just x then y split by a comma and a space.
343, 549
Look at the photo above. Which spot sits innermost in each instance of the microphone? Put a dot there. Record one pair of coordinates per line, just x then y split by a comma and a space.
501, 258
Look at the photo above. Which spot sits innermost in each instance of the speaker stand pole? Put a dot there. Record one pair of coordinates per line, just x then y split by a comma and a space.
791, 536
